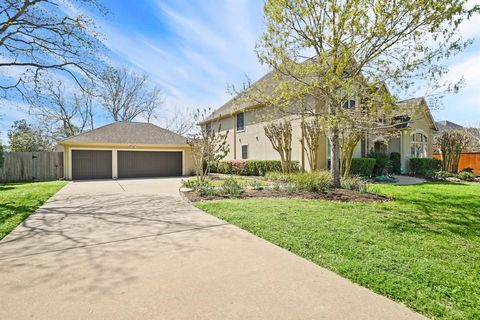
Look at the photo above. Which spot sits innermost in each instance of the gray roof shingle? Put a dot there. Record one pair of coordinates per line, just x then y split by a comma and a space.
128, 133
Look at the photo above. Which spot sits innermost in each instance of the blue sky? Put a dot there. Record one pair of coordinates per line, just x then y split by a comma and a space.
195, 49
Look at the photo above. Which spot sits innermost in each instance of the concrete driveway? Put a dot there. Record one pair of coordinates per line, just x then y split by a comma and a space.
133, 249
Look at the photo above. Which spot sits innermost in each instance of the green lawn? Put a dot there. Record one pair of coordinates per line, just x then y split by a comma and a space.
19, 200
421, 249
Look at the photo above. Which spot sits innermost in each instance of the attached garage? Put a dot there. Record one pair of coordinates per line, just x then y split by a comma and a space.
126, 150
145, 164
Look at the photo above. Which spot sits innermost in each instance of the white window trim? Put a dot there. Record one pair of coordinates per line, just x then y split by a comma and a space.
414, 132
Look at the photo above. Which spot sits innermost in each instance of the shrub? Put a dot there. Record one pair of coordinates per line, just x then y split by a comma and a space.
395, 162
275, 176
466, 176
189, 183
425, 166
231, 187
354, 183
238, 166
205, 189
251, 167
314, 181
382, 163
444, 174
290, 188
467, 169
362, 166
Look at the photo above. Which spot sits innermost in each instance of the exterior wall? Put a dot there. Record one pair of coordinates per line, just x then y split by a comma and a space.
67, 155
419, 124
260, 148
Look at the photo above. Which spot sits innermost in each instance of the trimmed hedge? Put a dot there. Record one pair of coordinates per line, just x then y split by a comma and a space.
425, 166
362, 166
395, 163
250, 167
382, 163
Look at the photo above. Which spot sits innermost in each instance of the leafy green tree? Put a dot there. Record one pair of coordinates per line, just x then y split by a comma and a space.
23, 137
331, 51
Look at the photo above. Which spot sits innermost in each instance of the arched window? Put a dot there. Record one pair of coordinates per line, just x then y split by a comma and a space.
418, 142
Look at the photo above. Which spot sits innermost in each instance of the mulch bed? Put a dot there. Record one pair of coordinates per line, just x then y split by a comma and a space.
334, 195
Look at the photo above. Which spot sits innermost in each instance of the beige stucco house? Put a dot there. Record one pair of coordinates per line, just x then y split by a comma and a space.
126, 150
245, 124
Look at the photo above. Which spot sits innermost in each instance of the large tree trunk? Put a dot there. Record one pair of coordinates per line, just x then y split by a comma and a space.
333, 136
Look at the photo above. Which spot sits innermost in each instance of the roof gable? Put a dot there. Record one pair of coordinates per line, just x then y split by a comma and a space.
128, 133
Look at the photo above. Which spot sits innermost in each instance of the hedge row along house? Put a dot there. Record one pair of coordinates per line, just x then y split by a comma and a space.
245, 120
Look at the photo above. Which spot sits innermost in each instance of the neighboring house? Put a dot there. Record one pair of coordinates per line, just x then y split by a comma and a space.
446, 125
126, 150
246, 137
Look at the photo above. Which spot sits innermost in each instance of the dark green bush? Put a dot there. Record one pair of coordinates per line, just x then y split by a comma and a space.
425, 166
251, 167
395, 162
362, 166
467, 169
382, 163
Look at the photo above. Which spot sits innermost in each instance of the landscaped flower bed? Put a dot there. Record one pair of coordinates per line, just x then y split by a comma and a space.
303, 185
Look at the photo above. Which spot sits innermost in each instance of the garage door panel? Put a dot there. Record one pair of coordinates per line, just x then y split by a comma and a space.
145, 164
91, 164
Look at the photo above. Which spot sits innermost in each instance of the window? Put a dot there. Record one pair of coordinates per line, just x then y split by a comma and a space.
240, 121
418, 143
244, 152
208, 127
348, 104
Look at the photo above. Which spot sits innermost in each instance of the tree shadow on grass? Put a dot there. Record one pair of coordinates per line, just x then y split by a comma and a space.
435, 209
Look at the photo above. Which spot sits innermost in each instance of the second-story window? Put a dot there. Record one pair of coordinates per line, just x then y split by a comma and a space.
208, 127
349, 104
240, 121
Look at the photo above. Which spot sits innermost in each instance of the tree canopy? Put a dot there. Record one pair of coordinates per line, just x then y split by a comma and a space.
328, 52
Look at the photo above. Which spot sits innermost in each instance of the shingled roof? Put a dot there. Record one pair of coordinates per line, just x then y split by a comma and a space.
128, 133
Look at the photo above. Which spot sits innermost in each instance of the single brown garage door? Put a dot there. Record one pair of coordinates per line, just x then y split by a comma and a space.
91, 164
146, 164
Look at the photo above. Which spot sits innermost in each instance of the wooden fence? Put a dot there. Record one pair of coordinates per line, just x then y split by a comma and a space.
31, 166
467, 160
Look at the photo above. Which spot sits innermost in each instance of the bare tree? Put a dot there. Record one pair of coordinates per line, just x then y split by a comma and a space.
126, 95
473, 133
59, 112
207, 146
452, 143
313, 131
180, 120
280, 135
39, 36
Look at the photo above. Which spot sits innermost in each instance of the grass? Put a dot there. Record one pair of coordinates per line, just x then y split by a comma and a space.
19, 200
421, 249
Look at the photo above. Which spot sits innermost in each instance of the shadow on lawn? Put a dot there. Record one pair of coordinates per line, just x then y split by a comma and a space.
436, 209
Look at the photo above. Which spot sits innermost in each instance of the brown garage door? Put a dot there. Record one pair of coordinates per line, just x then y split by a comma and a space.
143, 164
91, 164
